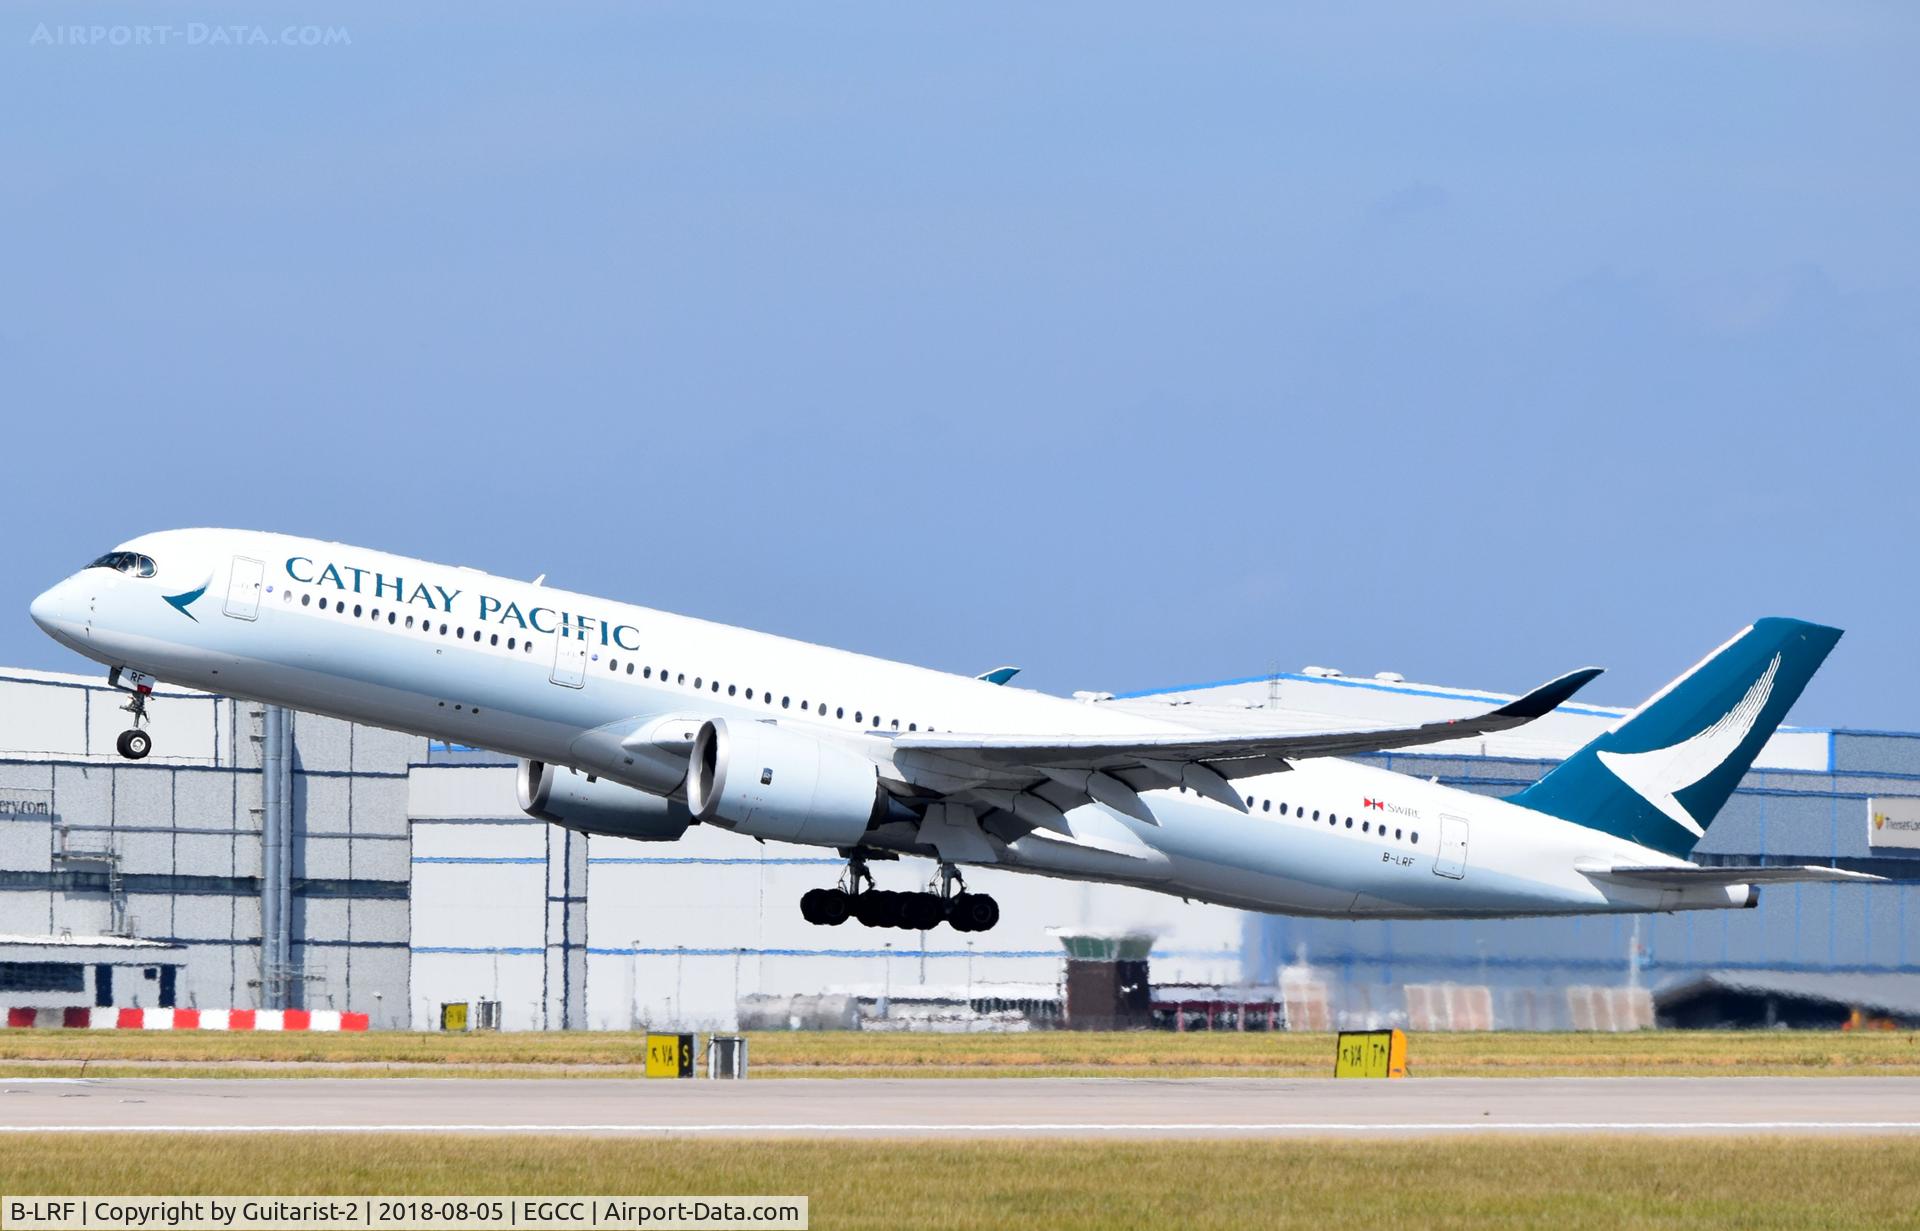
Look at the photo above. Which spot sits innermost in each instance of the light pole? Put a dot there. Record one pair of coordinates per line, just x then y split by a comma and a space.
886, 992
633, 987
969, 974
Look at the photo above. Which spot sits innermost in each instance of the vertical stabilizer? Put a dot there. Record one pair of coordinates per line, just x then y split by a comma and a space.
1663, 772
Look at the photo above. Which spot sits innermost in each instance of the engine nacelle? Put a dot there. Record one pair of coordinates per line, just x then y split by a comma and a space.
772, 782
572, 800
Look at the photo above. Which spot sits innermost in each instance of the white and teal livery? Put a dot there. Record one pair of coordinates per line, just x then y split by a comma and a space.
638, 723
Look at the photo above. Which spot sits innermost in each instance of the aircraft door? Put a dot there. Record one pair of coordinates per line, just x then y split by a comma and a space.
1452, 860
243, 588
569, 659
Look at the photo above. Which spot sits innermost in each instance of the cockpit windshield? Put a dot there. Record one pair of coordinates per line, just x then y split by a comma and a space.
131, 563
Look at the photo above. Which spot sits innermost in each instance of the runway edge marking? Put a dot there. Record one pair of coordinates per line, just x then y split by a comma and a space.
1443, 1126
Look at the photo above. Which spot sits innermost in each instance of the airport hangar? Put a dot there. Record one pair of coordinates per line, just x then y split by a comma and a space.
260, 859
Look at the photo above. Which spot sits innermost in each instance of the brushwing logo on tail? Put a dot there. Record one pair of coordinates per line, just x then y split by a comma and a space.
1658, 776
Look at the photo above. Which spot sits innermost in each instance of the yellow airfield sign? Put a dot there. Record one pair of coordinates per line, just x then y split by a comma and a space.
670, 1055
1371, 1053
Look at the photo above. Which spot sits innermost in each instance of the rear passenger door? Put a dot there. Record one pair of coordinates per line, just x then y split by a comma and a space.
1452, 860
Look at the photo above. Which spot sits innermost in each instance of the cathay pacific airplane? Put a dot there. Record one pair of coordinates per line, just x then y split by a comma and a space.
637, 724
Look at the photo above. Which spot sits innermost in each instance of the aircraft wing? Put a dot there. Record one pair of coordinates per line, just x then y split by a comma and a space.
1113, 769
1667, 876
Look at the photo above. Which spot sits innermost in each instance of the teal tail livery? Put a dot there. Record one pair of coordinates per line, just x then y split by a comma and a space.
1660, 776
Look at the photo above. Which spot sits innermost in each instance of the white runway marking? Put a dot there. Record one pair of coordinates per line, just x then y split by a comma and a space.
954, 1109
908, 1129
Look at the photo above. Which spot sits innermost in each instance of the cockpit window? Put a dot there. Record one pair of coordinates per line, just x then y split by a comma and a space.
131, 563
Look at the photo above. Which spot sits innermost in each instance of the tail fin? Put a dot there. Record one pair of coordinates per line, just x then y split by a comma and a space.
1660, 775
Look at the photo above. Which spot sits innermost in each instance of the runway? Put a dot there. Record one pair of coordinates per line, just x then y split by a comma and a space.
976, 1107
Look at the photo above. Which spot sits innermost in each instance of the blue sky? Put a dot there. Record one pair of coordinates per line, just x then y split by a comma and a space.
1131, 344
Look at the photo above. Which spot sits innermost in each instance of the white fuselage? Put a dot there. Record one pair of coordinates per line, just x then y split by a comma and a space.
531, 671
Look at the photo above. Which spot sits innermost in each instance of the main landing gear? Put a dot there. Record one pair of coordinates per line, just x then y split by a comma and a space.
133, 744
856, 898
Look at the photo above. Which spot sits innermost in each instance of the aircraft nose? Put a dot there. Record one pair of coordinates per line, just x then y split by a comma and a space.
59, 611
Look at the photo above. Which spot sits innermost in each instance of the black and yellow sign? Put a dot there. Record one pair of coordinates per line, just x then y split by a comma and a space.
670, 1055
1371, 1053
453, 1016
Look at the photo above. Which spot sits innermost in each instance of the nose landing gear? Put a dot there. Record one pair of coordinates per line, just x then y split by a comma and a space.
856, 898
133, 744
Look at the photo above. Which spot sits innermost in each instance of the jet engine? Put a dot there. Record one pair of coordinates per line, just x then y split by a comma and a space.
773, 782
573, 800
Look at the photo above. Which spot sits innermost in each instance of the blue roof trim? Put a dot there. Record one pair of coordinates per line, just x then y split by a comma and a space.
1439, 693
479, 859
481, 951
1545, 763
1340, 681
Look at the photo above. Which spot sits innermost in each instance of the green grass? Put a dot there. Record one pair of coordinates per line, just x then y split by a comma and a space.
1582, 1182
1051, 1054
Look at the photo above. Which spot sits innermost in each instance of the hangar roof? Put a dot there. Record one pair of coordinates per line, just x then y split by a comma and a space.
1319, 698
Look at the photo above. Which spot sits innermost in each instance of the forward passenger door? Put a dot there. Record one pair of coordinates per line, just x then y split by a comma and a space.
569, 659
243, 588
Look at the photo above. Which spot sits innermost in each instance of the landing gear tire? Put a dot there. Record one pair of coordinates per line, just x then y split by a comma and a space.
973, 912
878, 908
825, 907
924, 912
134, 745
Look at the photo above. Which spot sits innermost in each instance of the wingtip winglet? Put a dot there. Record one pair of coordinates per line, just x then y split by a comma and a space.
1550, 695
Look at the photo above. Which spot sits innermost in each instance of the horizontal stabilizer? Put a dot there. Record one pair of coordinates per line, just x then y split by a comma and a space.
1683, 876
999, 675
